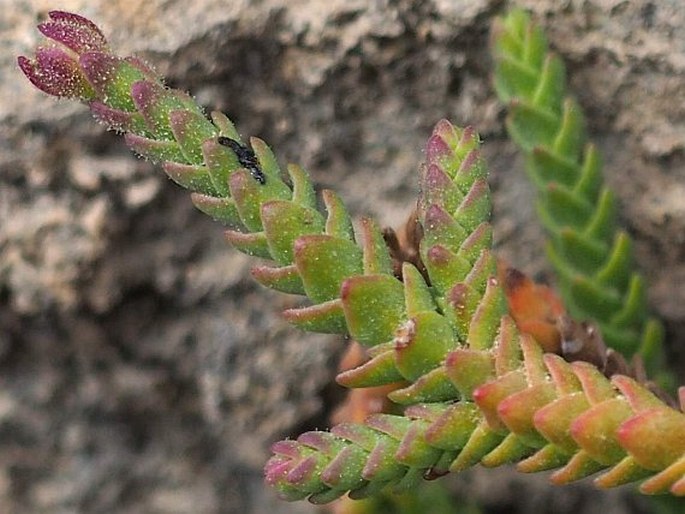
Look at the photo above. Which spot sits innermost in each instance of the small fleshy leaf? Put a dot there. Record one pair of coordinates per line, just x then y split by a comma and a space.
670, 478
249, 195
191, 130
475, 207
453, 428
374, 307
220, 162
253, 243
433, 386
338, 223
154, 149
73, 31
284, 279
156, 103
324, 262
469, 369
486, 320
445, 268
376, 256
326, 317
115, 119
626, 471
510, 450
581, 465
379, 370
284, 222
489, 395
595, 430
596, 386
554, 420
111, 77
57, 74
421, 344
417, 294
222, 210
192, 177
481, 442
549, 457
655, 453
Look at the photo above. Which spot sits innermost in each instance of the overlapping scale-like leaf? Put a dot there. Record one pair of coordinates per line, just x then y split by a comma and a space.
239, 184
414, 327
348, 277
518, 405
592, 258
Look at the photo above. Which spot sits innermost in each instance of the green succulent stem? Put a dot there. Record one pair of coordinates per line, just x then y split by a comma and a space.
518, 405
591, 256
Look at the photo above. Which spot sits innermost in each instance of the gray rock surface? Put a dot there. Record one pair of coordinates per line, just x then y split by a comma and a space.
141, 369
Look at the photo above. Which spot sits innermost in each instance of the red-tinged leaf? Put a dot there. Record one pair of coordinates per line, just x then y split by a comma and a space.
250, 243
437, 149
222, 210
516, 412
482, 441
326, 317
596, 386
344, 471
153, 149
433, 386
111, 77
452, 430
626, 471
595, 430
437, 188
116, 119
580, 466
565, 381
191, 176
469, 369
638, 396
655, 437
381, 465
511, 449
413, 450
489, 395
377, 371
73, 31
284, 279
284, 222
57, 74
374, 307
670, 479
554, 420
534, 307
549, 457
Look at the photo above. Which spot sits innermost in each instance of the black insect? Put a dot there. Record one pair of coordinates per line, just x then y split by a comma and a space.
246, 157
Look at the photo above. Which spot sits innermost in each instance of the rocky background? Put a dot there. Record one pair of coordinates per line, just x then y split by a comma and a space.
141, 369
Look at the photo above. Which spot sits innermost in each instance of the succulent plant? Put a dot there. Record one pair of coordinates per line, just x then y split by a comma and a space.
591, 256
477, 385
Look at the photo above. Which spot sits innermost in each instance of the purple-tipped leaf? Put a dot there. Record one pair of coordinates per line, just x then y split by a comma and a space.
56, 73
73, 31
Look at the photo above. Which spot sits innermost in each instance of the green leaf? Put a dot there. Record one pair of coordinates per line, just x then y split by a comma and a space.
374, 307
